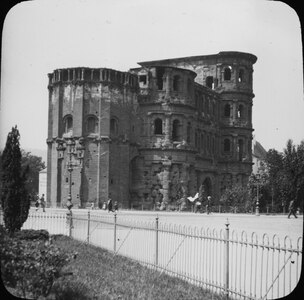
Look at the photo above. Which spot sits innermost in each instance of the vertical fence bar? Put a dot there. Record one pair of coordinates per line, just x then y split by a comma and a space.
88, 232
115, 224
227, 261
156, 240
70, 222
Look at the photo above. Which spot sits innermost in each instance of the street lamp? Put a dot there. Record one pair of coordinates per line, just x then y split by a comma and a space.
78, 153
71, 151
257, 209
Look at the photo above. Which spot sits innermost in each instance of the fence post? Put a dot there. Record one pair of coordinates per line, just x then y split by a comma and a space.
156, 240
70, 222
115, 221
227, 261
88, 233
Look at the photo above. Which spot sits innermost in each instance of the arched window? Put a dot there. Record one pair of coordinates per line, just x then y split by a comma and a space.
92, 124
227, 145
227, 73
158, 126
241, 75
176, 83
68, 124
240, 111
209, 82
114, 126
176, 128
159, 74
227, 110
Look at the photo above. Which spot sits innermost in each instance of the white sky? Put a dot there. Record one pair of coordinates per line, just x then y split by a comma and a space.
43, 35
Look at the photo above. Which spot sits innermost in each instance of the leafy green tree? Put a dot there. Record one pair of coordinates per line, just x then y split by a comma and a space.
14, 196
35, 165
293, 164
237, 197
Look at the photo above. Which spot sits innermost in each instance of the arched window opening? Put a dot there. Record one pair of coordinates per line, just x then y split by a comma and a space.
176, 83
227, 145
158, 126
249, 114
92, 124
202, 142
159, 74
176, 128
241, 75
241, 149
209, 82
68, 124
142, 79
113, 126
227, 110
227, 73
240, 111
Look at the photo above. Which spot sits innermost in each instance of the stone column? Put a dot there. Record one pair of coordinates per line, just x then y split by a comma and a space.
167, 128
166, 183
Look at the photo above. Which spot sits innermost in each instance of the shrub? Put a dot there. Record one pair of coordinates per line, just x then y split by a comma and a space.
30, 266
30, 234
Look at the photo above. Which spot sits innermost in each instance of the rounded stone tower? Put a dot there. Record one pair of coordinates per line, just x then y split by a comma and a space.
89, 135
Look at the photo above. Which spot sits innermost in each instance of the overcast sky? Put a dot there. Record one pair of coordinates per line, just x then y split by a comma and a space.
43, 35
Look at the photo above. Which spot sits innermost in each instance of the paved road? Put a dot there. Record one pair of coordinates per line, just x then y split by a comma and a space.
270, 224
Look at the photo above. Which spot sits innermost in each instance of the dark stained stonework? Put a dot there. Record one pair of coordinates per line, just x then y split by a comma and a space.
153, 135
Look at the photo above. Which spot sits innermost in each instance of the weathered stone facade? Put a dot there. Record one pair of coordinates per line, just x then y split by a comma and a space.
153, 135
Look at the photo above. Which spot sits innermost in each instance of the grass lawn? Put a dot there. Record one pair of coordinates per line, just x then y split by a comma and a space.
98, 274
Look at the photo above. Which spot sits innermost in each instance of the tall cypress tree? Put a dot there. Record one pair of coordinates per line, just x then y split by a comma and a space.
14, 197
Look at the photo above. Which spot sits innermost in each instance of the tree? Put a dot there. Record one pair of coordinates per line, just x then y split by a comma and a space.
34, 165
14, 196
293, 164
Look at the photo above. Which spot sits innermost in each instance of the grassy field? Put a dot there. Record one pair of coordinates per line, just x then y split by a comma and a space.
98, 274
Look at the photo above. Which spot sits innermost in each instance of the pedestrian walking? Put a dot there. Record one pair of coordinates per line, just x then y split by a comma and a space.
110, 204
198, 206
37, 203
115, 206
292, 209
208, 206
42, 203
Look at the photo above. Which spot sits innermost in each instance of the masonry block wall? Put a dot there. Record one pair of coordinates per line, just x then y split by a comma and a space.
151, 136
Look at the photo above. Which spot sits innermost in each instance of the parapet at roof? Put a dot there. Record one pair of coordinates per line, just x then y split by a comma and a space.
222, 54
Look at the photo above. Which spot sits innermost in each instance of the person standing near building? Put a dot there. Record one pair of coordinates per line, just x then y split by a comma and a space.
115, 206
292, 209
37, 203
110, 204
208, 206
42, 203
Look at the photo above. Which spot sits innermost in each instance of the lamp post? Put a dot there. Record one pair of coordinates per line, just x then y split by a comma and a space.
71, 151
257, 209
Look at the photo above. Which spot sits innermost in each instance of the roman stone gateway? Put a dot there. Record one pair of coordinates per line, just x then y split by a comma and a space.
153, 135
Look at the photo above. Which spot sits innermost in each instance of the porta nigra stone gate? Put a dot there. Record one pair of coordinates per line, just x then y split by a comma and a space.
151, 136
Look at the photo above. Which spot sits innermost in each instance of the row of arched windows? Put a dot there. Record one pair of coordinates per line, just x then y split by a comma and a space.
91, 125
240, 147
240, 113
227, 73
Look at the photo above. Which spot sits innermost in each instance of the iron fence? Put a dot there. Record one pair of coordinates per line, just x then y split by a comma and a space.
239, 266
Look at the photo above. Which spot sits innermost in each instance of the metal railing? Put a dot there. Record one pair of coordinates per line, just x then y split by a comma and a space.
239, 266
